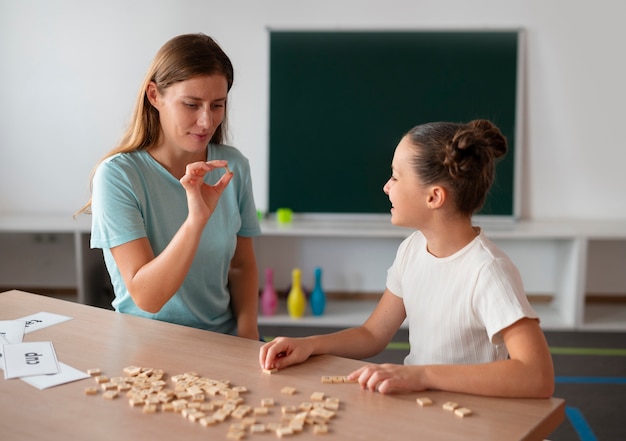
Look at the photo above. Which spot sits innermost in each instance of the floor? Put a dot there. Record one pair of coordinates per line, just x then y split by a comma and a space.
590, 374
590, 369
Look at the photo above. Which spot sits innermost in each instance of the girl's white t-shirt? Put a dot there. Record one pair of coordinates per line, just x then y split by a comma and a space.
457, 306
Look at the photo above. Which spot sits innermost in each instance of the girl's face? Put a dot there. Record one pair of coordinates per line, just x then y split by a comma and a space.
408, 197
190, 111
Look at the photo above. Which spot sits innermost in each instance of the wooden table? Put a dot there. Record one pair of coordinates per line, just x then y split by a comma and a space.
98, 338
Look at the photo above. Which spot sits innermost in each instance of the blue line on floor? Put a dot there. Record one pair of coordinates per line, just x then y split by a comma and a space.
580, 425
590, 380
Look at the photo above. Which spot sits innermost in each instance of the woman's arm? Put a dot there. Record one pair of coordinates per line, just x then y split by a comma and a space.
243, 282
152, 280
360, 342
528, 372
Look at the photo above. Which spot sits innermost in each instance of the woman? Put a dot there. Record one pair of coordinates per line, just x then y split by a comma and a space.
173, 209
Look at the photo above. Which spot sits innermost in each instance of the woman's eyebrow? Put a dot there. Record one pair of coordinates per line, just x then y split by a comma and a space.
195, 98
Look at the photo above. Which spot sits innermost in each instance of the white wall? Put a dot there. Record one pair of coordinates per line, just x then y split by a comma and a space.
69, 71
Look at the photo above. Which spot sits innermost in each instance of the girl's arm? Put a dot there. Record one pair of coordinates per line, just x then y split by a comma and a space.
243, 282
528, 372
360, 342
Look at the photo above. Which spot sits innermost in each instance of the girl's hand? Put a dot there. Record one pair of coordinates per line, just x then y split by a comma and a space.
388, 378
202, 198
282, 352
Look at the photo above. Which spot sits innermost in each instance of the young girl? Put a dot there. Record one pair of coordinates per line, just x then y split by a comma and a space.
172, 206
471, 328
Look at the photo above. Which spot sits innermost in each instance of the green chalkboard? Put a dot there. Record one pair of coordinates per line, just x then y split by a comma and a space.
341, 101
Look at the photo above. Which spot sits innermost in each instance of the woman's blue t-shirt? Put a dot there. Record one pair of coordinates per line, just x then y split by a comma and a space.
133, 196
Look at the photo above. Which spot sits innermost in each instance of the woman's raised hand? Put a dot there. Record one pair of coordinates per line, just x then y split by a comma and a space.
202, 198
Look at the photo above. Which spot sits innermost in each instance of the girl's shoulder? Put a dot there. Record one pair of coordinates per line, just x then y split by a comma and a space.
413, 243
490, 247
415, 237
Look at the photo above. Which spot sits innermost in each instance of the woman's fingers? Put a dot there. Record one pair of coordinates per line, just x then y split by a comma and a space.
195, 172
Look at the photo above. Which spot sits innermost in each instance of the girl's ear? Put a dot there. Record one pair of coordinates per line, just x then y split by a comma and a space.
153, 94
437, 196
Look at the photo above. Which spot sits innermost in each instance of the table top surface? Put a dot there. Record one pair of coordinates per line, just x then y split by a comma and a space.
110, 341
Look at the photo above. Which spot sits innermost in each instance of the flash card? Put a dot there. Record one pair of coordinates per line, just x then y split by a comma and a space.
33, 358
12, 330
2, 342
41, 320
66, 374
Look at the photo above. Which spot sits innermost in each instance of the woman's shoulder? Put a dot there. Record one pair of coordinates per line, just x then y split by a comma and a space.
122, 165
125, 158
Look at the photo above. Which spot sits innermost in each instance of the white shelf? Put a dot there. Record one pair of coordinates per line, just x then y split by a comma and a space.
37, 223
381, 227
552, 318
350, 313
334, 228
609, 317
338, 313
50, 251
554, 257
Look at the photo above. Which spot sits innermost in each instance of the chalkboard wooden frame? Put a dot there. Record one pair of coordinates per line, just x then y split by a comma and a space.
341, 100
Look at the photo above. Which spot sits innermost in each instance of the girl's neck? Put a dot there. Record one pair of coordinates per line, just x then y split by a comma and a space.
446, 239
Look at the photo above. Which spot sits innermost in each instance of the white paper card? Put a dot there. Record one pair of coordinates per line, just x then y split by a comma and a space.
66, 374
12, 330
32, 358
2, 342
42, 320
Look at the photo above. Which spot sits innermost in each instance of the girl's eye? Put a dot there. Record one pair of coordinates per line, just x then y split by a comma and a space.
191, 105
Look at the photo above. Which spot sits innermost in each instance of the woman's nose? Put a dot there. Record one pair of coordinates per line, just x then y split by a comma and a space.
204, 119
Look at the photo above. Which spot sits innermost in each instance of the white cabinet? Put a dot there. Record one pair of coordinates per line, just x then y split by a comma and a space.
51, 254
565, 264
559, 261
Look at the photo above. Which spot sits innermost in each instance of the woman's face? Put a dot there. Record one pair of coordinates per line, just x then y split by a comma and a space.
406, 193
190, 111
